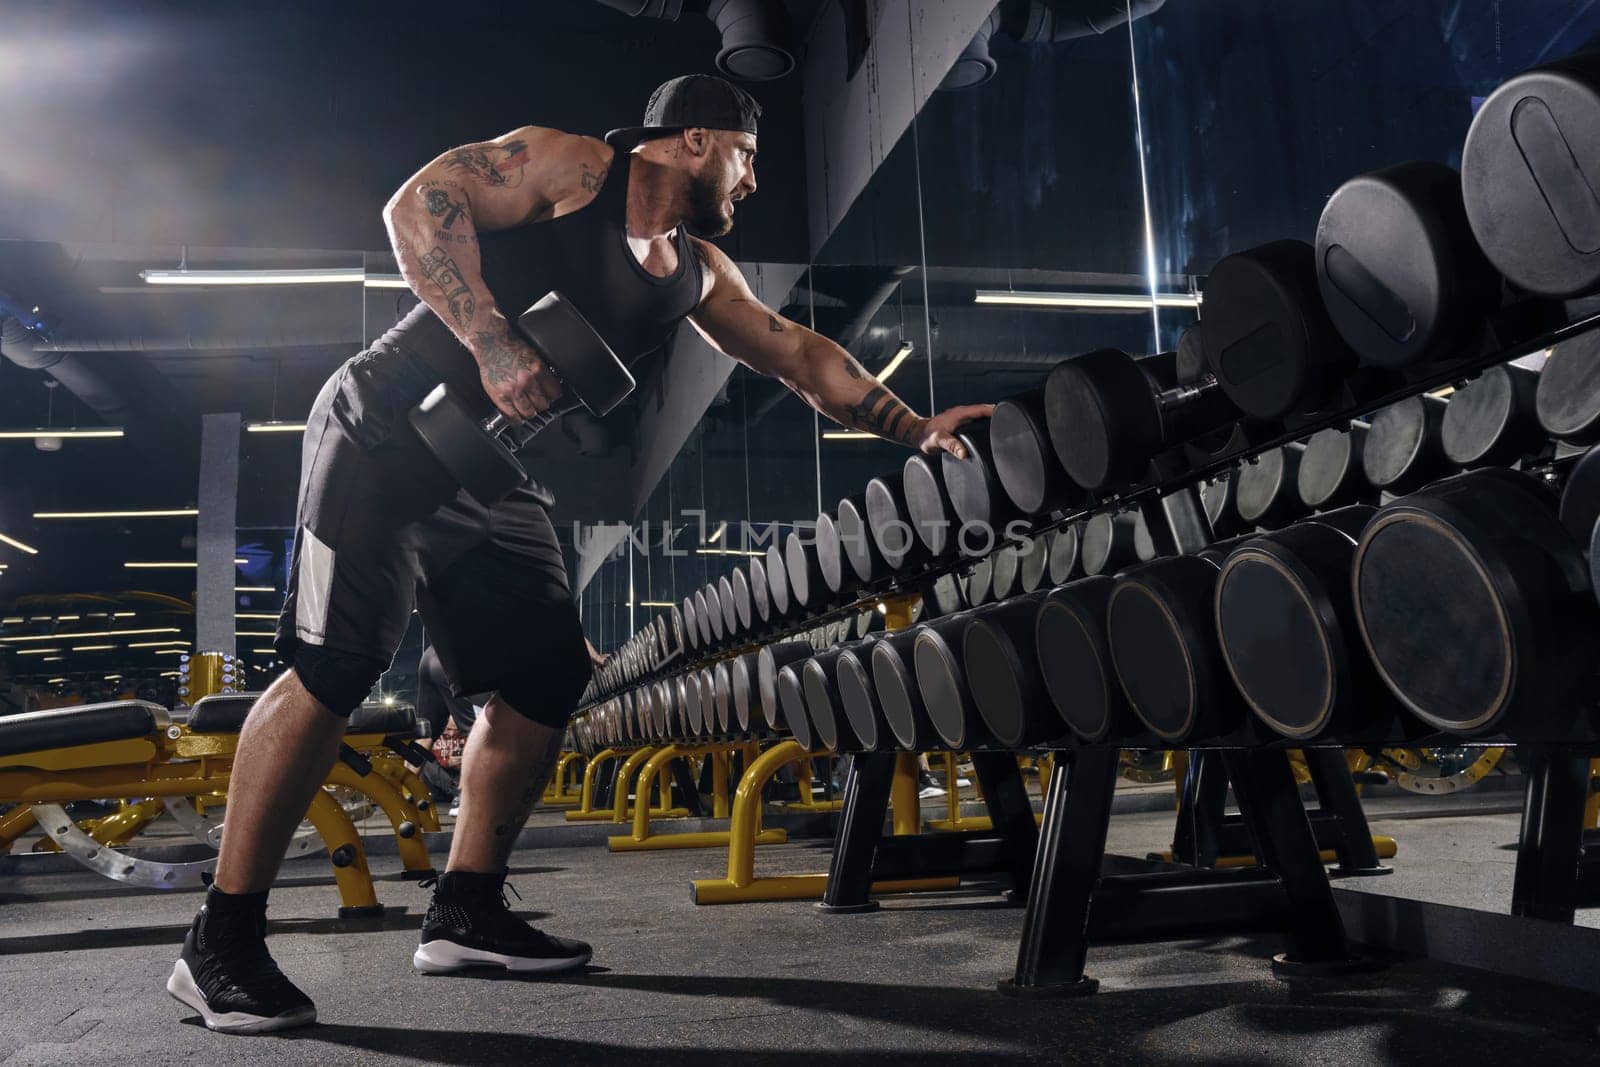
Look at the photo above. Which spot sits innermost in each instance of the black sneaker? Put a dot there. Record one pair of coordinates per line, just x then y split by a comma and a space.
227, 975
470, 924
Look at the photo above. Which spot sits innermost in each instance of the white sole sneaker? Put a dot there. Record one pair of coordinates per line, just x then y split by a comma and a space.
181, 986
442, 957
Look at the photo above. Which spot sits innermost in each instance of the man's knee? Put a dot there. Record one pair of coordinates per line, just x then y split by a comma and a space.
548, 698
339, 681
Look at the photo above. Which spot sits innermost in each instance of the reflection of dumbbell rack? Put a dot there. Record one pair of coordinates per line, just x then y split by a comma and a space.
204, 674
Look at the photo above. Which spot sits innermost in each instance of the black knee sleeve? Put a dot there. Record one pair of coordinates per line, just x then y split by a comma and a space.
340, 681
549, 697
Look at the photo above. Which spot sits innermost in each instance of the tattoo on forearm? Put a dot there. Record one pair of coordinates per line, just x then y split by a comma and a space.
592, 179
497, 165
774, 325
882, 413
500, 359
441, 270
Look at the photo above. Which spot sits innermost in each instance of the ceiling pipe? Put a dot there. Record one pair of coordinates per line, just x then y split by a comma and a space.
123, 390
1039, 22
757, 35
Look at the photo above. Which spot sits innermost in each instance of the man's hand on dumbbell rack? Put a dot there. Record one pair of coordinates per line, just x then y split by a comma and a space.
514, 375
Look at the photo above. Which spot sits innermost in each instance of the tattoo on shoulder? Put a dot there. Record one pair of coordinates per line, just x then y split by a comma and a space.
441, 270
497, 165
592, 178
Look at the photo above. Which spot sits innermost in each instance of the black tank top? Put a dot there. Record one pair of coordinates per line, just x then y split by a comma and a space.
585, 256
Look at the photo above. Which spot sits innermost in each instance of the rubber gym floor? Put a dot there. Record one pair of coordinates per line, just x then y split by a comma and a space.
82, 967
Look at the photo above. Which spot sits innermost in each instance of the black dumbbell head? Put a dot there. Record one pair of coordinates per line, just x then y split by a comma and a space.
1568, 397
1064, 562
1529, 172
1492, 421
1103, 417
1401, 275
1024, 459
1269, 488
1404, 448
1075, 660
1330, 469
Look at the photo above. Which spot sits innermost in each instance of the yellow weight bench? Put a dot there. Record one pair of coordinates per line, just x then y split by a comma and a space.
134, 749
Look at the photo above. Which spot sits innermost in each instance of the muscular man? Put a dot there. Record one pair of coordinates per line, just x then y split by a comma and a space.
481, 233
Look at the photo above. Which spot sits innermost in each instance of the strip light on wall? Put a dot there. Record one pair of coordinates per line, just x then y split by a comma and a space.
62, 432
254, 589
656, 604
894, 364
144, 513
849, 435
274, 427
1101, 301
323, 276
386, 281
18, 545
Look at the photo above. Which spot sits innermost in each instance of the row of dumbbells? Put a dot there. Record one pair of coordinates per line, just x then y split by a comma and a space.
1405, 272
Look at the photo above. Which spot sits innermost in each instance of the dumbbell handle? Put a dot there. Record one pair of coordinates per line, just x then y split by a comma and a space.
1187, 393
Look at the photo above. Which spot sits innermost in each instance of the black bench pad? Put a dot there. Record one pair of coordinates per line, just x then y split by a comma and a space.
224, 713
88, 724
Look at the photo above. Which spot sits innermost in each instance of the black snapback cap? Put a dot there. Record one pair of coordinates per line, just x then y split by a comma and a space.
691, 100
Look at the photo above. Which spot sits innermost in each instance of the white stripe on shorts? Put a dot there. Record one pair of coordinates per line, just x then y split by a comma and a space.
313, 582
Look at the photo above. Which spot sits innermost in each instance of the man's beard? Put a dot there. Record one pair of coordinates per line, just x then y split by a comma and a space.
706, 217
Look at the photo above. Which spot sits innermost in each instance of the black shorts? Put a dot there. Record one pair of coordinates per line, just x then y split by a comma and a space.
381, 528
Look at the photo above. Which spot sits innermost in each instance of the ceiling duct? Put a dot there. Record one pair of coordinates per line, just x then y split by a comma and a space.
123, 389
1039, 22
757, 35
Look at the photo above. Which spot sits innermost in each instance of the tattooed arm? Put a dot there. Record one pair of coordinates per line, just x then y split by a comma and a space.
819, 371
528, 175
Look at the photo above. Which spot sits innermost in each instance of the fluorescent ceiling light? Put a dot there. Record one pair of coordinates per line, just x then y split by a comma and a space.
52, 659
147, 513
726, 552
10, 620
36, 651
386, 281
157, 644
54, 681
93, 648
113, 678
274, 427
657, 604
850, 435
718, 535
254, 589
1114, 301
169, 652
69, 618
173, 564
90, 633
254, 633
171, 674
123, 614
14, 543
64, 432
322, 276
266, 651
894, 364
253, 615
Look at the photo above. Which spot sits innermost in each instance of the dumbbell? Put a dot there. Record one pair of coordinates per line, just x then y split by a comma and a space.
830, 723
769, 661
1064, 562
1074, 660
777, 574
1002, 672
1219, 497
943, 596
980, 581
1025, 460
1020, 567
761, 613
1269, 487
792, 704
1404, 448
721, 701
936, 664
1474, 601
895, 684
976, 494
1568, 398
1114, 540
803, 568
742, 684
927, 507
861, 554
889, 522
482, 456
1529, 172
693, 693
708, 614
1267, 337
1285, 619
745, 623
732, 625
1109, 415
1331, 475
1399, 270
1493, 420
859, 696
839, 578
1162, 635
